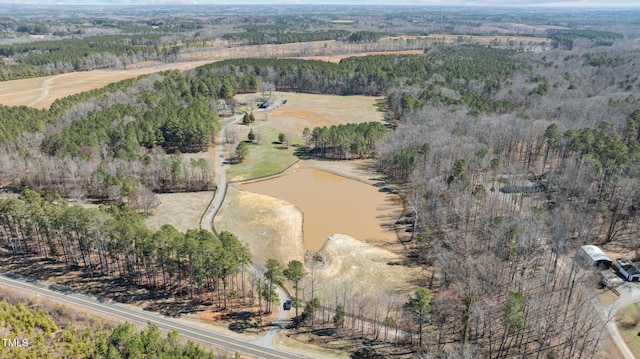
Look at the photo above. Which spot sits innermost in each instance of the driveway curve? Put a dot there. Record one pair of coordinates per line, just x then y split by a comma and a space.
207, 223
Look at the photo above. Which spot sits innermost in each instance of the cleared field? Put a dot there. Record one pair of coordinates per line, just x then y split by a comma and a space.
265, 158
181, 210
41, 92
334, 204
365, 267
270, 227
337, 58
481, 39
300, 111
308, 110
628, 322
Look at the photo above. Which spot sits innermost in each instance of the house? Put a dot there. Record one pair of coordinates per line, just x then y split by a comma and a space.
594, 256
627, 270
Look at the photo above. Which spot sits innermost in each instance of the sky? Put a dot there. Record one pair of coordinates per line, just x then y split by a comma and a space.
469, 3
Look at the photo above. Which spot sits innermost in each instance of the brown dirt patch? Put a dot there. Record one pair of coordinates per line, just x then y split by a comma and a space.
181, 210
337, 58
611, 349
335, 204
309, 110
260, 222
359, 170
43, 91
270, 227
366, 267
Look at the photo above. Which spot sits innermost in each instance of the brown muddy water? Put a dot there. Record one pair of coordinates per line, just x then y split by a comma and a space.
334, 204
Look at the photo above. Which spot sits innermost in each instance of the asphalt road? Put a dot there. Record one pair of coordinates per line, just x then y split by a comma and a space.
137, 316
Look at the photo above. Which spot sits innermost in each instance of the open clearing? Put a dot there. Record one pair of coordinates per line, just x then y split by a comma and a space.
270, 227
628, 322
181, 210
41, 92
481, 39
364, 267
335, 204
308, 110
337, 58
301, 110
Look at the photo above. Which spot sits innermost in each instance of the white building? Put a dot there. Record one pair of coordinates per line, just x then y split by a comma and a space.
594, 256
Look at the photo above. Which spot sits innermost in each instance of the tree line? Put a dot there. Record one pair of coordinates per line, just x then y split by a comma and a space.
346, 141
471, 80
61, 334
125, 134
114, 241
258, 38
44, 58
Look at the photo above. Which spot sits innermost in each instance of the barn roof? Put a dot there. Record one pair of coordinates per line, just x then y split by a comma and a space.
595, 253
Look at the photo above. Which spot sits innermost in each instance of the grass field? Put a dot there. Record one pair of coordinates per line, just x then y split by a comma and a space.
181, 210
482, 39
308, 110
271, 227
628, 322
265, 158
300, 111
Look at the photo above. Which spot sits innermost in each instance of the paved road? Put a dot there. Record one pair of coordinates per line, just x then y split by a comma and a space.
267, 340
137, 316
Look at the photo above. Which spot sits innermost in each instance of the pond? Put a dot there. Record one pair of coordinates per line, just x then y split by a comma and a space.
334, 204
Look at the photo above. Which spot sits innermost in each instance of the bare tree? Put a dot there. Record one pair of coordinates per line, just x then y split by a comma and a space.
143, 199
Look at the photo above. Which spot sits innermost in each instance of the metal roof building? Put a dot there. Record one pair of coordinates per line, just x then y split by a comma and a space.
595, 256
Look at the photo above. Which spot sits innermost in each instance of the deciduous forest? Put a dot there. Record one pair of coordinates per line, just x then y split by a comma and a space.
507, 160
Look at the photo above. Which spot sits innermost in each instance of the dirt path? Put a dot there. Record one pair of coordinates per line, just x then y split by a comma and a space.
630, 294
207, 223
46, 86
218, 196
267, 340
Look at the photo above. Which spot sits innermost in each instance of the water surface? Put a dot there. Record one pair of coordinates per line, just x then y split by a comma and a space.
334, 204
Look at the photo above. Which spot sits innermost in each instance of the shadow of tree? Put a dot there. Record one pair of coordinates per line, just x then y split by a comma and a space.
72, 279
